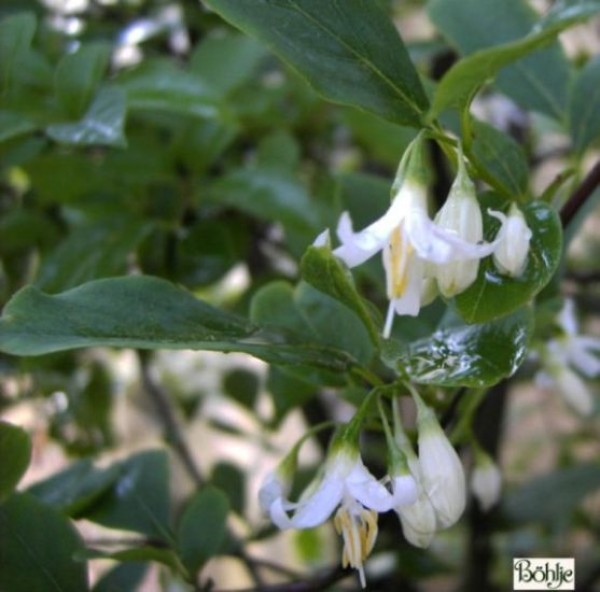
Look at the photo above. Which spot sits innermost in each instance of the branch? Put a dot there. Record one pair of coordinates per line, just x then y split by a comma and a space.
579, 197
166, 415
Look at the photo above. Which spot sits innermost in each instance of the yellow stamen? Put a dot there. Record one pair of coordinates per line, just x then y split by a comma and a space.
399, 253
359, 531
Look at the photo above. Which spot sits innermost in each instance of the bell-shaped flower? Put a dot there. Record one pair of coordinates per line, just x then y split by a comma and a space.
442, 472
348, 486
512, 241
418, 518
486, 481
461, 215
407, 237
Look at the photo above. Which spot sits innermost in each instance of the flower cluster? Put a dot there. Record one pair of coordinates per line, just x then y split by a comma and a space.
422, 256
426, 491
568, 356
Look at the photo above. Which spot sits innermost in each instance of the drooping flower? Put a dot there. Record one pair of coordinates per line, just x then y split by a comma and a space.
486, 480
442, 472
407, 237
567, 357
348, 486
512, 242
418, 519
460, 214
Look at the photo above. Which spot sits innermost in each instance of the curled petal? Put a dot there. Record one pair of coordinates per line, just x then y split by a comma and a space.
363, 487
320, 505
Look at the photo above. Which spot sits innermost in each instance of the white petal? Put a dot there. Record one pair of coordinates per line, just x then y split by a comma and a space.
567, 318
486, 484
319, 506
405, 490
363, 487
579, 354
442, 472
418, 521
574, 390
323, 240
278, 514
271, 490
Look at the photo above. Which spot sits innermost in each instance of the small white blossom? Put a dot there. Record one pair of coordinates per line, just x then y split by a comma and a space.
461, 215
512, 242
442, 472
486, 481
566, 357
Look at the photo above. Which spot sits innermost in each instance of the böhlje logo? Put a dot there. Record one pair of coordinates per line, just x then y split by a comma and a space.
543, 573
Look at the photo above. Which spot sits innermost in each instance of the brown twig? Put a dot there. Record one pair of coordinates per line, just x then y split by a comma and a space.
579, 197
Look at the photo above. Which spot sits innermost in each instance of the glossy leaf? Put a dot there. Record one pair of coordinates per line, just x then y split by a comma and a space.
38, 548
202, 528
101, 125
78, 75
75, 489
15, 452
496, 35
493, 294
502, 159
584, 107
464, 355
147, 313
138, 499
321, 269
350, 52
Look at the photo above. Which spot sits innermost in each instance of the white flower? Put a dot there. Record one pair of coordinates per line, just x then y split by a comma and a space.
512, 248
486, 482
442, 472
346, 483
565, 354
461, 215
418, 519
407, 237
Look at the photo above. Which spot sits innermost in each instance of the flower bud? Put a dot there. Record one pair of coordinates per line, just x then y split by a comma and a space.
460, 214
510, 255
441, 469
486, 481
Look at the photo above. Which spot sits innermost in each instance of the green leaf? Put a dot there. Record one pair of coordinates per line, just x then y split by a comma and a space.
78, 75
322, 270
13, 123
584, 107
78, 258
230, 479
464, 355
147, 313
37, 547
268, 194
15, 452
333, 323
493, 295
227, 62
16, 34
502, 159
288, 391
241, 385
101, 125
122, 578
532, 502
160, 86
350, 52
202, 528
77, 488
138, 499
496, 35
